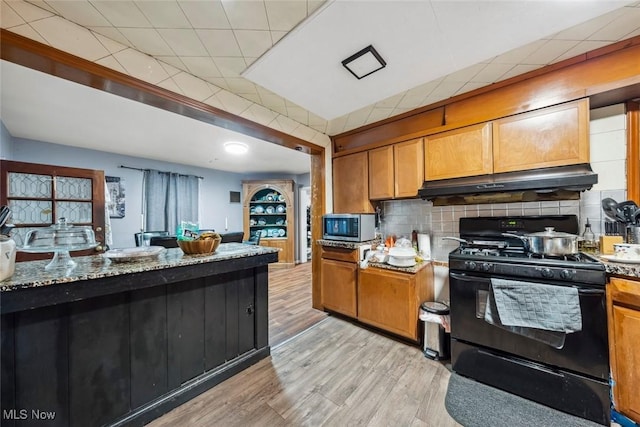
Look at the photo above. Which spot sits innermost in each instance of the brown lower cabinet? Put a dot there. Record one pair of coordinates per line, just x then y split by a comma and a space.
386, 299
623, 304
390, 300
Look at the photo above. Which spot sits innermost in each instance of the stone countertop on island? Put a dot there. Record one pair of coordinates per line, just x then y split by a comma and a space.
31, 274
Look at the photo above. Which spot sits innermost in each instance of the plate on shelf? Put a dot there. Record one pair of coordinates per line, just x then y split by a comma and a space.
282, 232
259, 209
133, 254
280, 208
280, 221
281, 198
262, 221
263, 233
271, 209
614, 258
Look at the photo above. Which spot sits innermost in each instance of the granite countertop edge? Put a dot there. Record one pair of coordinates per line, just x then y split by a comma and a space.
622, 269
32, 274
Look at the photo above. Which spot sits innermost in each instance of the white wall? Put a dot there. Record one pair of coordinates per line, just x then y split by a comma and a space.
6, 145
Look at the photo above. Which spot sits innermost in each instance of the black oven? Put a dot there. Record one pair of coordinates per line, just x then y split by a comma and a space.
570, 374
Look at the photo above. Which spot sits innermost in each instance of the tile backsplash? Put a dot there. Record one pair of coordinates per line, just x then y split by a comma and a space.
400, 217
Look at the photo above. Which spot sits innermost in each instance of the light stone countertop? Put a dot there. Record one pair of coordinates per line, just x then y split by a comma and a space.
621, 269
31, 274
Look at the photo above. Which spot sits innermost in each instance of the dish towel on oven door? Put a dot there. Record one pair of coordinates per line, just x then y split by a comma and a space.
545, 313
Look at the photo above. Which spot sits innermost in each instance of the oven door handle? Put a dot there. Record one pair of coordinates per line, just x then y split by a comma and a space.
467, 278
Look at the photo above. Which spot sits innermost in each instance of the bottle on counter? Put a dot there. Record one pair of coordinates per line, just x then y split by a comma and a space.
588, 243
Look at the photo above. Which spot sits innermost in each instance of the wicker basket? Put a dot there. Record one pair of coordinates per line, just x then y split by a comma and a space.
199, 247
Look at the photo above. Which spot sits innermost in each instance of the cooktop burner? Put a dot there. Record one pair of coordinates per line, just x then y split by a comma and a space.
484, 249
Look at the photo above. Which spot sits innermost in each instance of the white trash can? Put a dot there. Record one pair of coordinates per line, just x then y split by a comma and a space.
436, 340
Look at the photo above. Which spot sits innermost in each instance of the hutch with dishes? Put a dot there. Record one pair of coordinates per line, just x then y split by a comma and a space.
269, 211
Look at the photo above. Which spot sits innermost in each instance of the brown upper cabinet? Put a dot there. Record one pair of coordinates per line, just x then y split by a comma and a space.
396, 171
458, 153
553, 136
351, 184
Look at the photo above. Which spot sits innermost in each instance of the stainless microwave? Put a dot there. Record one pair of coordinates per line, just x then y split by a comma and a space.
349, 227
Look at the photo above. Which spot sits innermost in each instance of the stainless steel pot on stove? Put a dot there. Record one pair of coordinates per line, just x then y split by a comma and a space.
549, 242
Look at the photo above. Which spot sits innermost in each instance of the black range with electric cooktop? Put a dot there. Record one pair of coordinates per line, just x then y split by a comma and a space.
530, 324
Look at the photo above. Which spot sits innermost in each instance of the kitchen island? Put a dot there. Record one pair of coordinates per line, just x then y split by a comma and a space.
111, 343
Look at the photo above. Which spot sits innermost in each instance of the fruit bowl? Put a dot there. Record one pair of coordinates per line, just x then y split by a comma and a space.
199, 247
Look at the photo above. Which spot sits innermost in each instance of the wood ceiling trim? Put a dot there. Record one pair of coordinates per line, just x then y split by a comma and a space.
41, 57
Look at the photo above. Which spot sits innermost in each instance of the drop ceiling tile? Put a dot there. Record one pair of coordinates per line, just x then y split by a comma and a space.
184, 42
389, 102
111, 33
584, 30
621, 26
492, 72
122, 13
411, 100
468, 87
316, 120
272, 101
27, 31
219, 42
466, 74
192, 86
241, 86
378, 114
201, 66
304, 133
580, 48
173, 61
298, 114
313, 5
246, 15
8, 17
169, 84
218, 82
109, 44
253, 43
260, 114
209, 14
30, 12
170, 69
551, 50
214, 102
358, 117
69, 37
232, 102
446, 90
519, 69
81, 12
42, 4
284, 123
147, 40
141, 66
284, 15
110, 62
276, 36
253, 97
337, 125
515, 56
164, 14
230, 67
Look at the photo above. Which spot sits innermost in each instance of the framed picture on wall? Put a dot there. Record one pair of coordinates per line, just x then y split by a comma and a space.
115, 202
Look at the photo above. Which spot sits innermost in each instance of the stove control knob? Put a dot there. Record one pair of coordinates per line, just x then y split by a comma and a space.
471, 265
566, 274
485, 266
547, 272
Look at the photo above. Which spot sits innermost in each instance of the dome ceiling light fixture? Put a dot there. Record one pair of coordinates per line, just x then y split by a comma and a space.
364, 62
234, 147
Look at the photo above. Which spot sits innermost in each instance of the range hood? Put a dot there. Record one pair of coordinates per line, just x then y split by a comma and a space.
536, 184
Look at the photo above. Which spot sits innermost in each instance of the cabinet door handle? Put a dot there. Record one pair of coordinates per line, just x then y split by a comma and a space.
250, 309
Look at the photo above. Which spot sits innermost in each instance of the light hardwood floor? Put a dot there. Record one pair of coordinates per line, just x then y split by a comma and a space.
334, 374
290, 310
323, 371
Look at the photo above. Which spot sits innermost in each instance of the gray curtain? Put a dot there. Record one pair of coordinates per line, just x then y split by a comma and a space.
168, 199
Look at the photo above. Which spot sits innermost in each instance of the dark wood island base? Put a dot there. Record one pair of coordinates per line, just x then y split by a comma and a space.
125, 347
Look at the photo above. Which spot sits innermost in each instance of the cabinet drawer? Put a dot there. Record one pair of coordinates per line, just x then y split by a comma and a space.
340, 254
